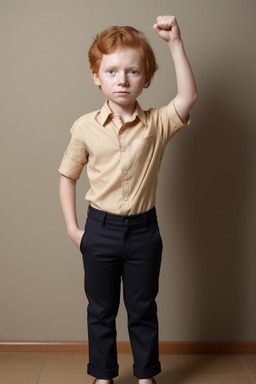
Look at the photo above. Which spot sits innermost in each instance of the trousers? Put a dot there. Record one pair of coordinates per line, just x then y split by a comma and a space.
123, 250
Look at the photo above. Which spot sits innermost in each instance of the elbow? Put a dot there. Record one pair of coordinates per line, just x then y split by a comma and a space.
194, 97
191, 99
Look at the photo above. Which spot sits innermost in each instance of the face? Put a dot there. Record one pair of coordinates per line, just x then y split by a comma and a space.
121, 77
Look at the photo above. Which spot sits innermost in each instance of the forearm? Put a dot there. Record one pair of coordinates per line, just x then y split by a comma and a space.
167, 28
186, 86
67, 192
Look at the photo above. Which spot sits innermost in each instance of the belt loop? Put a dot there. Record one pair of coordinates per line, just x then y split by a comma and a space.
104, 219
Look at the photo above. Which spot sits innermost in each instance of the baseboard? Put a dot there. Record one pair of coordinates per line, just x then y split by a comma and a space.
123, 347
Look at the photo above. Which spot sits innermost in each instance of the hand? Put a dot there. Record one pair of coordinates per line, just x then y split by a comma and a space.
167, 28
76, 236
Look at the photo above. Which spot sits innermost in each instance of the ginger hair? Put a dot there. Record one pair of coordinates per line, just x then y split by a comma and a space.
122, 37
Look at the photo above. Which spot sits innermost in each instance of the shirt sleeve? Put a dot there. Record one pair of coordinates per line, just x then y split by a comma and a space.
75, 156
171, 122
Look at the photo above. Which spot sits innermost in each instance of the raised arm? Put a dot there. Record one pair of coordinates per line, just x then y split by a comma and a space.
67, 190
167, 28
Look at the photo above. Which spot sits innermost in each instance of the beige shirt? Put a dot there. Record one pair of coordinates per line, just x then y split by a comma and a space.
122, 160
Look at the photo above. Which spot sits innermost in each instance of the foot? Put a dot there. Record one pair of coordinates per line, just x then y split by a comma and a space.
102, 381
147, 381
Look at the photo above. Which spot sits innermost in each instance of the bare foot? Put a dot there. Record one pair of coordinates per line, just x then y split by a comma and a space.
146, 381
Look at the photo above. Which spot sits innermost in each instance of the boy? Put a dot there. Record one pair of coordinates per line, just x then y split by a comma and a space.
122, 146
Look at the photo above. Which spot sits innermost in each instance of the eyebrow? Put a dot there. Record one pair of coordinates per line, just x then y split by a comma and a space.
128, 68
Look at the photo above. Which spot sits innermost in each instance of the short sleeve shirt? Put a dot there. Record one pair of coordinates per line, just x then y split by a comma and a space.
122, 159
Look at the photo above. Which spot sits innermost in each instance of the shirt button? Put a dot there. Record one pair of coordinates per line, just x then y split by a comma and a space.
125, 172
125, 198
123, 149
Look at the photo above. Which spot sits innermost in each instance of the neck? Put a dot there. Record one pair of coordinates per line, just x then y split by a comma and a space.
125, 112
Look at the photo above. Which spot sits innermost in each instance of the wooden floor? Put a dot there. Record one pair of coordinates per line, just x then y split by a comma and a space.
176, 369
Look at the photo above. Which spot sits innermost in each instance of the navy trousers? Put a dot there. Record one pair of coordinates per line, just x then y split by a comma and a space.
124, 249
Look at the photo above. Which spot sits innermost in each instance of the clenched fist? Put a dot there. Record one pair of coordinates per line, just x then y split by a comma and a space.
167, 28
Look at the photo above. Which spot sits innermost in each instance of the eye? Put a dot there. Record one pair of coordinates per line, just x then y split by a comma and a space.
133, 72
110, 71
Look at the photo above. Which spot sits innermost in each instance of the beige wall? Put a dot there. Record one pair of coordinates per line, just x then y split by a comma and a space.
207, 184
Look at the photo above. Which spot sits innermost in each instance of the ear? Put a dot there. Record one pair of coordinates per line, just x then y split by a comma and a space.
96, 78
147, 83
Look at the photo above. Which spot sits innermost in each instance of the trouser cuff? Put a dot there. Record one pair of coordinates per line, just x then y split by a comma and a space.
147, 373
102, 373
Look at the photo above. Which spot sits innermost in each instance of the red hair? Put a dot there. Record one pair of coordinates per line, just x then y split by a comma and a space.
114, 37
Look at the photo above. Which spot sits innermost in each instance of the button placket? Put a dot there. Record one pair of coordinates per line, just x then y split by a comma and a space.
124, 166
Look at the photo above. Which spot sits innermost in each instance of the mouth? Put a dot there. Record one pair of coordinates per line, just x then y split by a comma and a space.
122, 93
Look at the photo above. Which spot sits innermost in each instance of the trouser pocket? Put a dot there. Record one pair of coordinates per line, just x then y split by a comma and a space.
83, 239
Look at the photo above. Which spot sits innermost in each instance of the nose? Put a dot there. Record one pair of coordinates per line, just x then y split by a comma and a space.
122, 80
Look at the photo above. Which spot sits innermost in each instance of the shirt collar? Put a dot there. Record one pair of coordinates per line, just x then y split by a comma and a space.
105, 112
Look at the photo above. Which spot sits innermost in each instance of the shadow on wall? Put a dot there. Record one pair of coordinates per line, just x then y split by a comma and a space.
209, 192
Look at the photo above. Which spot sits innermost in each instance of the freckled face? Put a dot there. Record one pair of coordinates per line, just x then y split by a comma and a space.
121, 77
